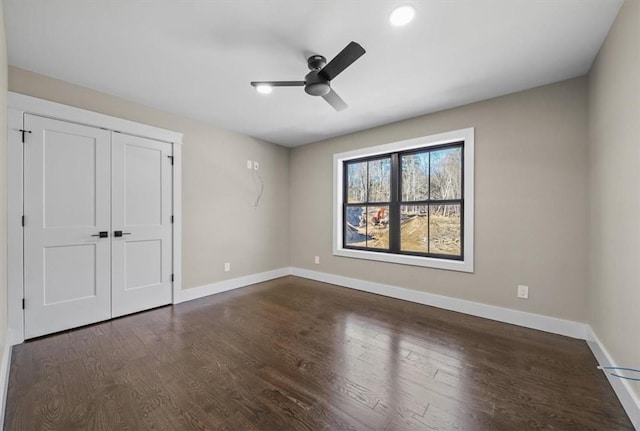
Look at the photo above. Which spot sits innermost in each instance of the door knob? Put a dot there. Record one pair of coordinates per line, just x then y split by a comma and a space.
102, 234
119, 233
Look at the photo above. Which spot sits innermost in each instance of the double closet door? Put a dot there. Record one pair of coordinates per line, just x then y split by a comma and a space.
97, 231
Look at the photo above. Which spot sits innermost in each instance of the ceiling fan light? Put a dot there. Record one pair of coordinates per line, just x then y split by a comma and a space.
402, 15
264, 89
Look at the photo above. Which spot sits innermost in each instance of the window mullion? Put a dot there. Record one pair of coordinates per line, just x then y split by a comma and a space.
429, 206
394, 206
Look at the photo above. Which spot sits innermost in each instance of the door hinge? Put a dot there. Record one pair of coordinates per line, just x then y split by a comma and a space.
23, 303
171, 219
171, 277
23, 133
22, 221
171, 158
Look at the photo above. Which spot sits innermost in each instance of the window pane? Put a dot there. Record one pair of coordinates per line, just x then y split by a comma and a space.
355, 229
446, 174
444, 229
413, 228
378, 227
415, 177
356, 182
380, 180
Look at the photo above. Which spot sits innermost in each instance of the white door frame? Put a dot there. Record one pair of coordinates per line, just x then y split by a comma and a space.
18, 105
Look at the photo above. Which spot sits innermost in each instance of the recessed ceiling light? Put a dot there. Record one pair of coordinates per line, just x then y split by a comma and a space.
402, 15
264, 89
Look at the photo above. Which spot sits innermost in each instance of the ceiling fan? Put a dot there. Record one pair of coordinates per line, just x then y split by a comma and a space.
318, 81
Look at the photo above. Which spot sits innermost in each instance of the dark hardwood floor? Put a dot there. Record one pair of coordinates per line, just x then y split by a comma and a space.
293, 354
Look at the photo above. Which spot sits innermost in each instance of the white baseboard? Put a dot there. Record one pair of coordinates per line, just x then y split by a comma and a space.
629, 400
4, 380
507, 315
225, 285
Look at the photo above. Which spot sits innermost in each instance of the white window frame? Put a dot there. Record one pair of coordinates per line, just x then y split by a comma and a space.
466, 265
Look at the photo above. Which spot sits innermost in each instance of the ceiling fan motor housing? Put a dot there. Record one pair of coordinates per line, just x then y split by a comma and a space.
316, 85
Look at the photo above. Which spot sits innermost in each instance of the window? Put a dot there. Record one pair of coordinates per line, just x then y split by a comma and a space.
409, 202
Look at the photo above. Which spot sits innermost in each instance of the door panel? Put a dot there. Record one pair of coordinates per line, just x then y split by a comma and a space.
70, 194
147, 270
67, 271
59, 287
141, 208
143, 187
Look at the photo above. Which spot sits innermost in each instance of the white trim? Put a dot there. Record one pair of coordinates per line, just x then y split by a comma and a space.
58, 111
15, 264
466, 135
18, 105
515, 317
177, 220
226, 285
4, 380
622, 388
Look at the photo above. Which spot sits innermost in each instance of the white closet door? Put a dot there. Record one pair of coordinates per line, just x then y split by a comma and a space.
67, 267
141, 210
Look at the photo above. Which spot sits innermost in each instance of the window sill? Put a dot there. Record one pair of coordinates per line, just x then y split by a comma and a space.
427, 262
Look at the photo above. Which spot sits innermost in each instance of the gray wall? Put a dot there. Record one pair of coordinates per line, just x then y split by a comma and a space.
530, 194
614, 137
219, 223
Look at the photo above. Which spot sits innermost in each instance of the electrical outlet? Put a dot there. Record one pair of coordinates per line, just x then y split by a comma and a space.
227, 267
523, 292
249, 164
256, 166
317, 260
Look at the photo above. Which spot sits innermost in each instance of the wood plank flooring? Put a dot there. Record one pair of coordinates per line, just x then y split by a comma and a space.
294, 354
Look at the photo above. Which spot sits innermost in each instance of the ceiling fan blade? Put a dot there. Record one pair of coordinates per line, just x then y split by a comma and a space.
340, 62
279, 83
334, 100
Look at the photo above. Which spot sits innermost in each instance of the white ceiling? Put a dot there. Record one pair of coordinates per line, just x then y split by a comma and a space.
196, 58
